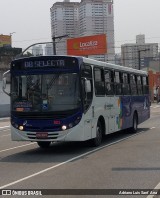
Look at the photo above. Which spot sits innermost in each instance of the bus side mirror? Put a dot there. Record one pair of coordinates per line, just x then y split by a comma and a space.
87, 86
4, 83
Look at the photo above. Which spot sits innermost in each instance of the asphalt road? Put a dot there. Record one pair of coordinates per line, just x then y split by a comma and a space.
125, 161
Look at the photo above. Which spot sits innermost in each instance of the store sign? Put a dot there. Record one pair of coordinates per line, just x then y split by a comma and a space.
5, 40
88, 45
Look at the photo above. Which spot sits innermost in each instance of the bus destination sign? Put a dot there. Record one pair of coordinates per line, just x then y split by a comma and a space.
44, 63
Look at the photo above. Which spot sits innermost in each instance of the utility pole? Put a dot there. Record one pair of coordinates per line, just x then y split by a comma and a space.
11, 36
54, 41
139, 57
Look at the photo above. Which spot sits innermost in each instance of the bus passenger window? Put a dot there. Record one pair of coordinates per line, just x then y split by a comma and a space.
125, 85
99, 82
117, 82
133, 84
139, 85
145, 85
109, 82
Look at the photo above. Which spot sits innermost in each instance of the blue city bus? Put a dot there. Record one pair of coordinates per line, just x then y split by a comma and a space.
69, 98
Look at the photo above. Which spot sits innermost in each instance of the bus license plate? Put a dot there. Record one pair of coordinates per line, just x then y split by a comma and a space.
42, 135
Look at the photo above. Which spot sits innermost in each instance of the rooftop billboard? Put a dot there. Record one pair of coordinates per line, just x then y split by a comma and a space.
5, 40
88, 45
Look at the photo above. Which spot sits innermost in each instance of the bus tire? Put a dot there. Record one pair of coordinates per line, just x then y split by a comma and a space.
44, 144
135, 123
98, 139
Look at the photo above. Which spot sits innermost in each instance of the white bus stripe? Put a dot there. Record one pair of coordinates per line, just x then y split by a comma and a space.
156, 188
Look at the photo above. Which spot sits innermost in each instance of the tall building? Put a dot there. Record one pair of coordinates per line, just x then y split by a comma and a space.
87, 18
64, 21
137, 54
96, 17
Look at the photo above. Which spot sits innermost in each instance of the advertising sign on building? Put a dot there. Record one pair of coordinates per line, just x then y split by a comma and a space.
88, 45
5, 40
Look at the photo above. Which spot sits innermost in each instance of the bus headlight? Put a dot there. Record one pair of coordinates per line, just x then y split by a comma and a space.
21, 128
64, 127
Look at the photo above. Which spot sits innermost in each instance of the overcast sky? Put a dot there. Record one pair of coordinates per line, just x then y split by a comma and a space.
30, 19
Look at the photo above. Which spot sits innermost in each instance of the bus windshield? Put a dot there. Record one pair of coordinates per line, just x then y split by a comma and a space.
45, 93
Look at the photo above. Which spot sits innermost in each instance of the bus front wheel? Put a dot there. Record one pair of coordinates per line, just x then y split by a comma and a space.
44, 144
98, 139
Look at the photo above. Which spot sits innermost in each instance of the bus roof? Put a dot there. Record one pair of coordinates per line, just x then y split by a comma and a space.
94, 62
113, 66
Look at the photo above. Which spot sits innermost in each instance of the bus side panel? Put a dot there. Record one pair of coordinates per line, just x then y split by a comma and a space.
144, 109
130, 104
142, 106
126, 112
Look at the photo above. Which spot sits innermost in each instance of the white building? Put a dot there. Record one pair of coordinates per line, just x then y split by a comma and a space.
64, 21
49, 49
96, 17
87, 18
135, 54
37, 50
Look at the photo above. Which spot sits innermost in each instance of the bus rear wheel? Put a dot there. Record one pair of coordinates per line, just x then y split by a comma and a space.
44, 144
135, 124
98, 139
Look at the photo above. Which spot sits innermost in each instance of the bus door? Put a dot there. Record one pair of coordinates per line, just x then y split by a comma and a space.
109, 102
126, 101
109, 114
87, 95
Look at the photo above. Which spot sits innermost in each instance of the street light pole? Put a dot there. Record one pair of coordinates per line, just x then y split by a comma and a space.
54, 45
54, 41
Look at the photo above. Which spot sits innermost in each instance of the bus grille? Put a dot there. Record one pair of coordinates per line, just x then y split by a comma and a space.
51, 135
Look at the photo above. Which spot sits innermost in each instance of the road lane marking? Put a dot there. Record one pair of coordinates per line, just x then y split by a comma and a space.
152, 128
67, 161
5, 135
156, 188
16, 147
155, 107
6, 118
1, 131
4, 127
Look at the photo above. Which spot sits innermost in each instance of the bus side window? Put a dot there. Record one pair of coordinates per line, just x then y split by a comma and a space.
125, 85
145, 85
99, 82
86, 73
117, 82
109, 82
133, 84
139, 85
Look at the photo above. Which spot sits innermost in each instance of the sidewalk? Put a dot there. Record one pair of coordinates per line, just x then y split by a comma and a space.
155, 104
4, 122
